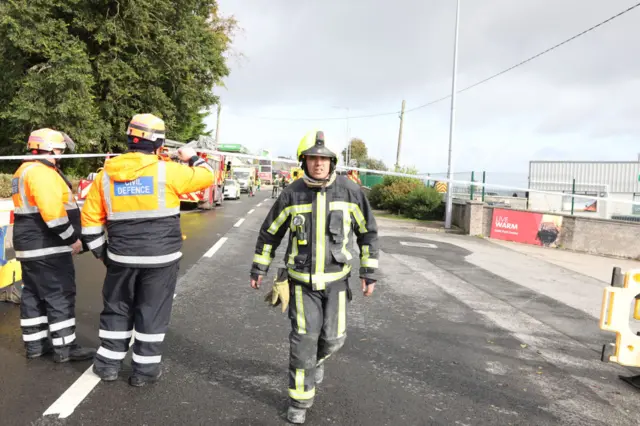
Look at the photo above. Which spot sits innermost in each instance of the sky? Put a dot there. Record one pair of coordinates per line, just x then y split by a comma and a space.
297, 66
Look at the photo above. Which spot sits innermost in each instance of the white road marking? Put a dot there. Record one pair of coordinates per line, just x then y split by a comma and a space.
423, 245
215, 247
259, 204
251, 211
238, 223
68, 401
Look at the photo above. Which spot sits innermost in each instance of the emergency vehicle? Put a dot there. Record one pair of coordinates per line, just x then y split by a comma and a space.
205, 199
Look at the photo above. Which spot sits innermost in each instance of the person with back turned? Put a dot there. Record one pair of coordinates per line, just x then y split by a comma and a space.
136, 197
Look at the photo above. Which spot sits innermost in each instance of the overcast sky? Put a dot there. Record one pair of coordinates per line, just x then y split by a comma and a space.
313, 59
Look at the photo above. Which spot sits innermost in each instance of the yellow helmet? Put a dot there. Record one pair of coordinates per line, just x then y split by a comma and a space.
313, 144
147, 126
48, 139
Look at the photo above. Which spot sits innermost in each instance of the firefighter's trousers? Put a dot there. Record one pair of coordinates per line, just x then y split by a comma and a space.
318, 330
48, 304
139, 298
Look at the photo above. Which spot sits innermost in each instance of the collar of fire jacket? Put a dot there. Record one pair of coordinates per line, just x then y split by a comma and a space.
129, 166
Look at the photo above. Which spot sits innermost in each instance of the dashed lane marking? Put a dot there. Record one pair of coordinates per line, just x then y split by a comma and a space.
238, 223
413, 244
215, 247
251, 211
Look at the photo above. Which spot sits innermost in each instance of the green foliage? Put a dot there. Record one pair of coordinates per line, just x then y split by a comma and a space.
424, 203
359, 151
375, 164
87, 67
407, 196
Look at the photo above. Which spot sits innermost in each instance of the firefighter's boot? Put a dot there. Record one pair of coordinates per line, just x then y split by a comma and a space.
319, 375
296, 415
106, 374
138, 380
73, 353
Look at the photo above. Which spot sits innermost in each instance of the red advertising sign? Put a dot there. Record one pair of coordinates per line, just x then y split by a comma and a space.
264, 175
526, 227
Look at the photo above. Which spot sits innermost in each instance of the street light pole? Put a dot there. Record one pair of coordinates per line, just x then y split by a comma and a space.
449, 203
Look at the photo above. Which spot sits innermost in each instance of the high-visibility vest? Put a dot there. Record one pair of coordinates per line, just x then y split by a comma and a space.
137, 197
47, 218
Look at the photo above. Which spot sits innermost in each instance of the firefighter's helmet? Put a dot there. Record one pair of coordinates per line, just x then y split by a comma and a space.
146, 127
313, 143
48, 139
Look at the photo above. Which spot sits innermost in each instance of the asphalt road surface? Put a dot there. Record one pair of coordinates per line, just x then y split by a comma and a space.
459, 331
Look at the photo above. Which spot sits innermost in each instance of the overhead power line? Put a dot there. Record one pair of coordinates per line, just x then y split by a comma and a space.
529, 59
435, 101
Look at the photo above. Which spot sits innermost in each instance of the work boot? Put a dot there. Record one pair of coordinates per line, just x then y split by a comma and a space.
74, 353
139, 380
106, 374
319, 376
296, 415
45, 349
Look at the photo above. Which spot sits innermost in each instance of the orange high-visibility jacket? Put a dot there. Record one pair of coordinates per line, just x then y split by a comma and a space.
137, 197
47, 218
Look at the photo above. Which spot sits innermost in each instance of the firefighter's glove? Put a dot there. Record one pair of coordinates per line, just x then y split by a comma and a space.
279, 293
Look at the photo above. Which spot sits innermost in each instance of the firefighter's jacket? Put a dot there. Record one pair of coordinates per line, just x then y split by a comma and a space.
318, 252
136, 197
47, 218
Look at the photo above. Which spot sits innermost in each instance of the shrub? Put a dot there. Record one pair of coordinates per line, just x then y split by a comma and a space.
394, 196
424, 203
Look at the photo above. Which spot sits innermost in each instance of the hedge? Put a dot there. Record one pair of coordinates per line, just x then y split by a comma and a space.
408, 197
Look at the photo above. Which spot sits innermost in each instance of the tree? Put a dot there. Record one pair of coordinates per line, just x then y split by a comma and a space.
375, 164
87, 67
359, 150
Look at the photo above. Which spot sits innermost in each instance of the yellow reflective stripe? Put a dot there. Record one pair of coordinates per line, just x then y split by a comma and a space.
299, 392
321, 219
265, 257
342, 313
365, 261
319, 280
294, 251
354, 209
282, 217
302, 325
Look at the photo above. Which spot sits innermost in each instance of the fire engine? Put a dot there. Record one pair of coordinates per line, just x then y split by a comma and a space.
205, 199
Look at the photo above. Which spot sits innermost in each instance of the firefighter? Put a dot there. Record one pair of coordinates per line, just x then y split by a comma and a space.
136, 197
322, 211
46, 234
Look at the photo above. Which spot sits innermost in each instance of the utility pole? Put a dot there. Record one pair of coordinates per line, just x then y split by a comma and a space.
400, 136
449, 203
218, 126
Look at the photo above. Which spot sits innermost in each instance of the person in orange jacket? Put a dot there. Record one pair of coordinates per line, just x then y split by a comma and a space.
46, 233
136, 198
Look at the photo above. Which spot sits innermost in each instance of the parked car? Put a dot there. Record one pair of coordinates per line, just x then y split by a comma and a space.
231, 189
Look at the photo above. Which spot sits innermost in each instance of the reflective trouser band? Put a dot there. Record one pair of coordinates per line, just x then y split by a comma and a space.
319, 280
61, 341
106, 353
107, 334
57, 222
299, 392
28, 254
146, 359
35, 336
62, 325
302, 325
342, 313
30, 322
149, 338
145, 260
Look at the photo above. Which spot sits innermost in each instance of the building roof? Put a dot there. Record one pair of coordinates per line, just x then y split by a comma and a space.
590, 176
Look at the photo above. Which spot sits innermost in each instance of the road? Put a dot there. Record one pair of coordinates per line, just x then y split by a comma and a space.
460, 331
